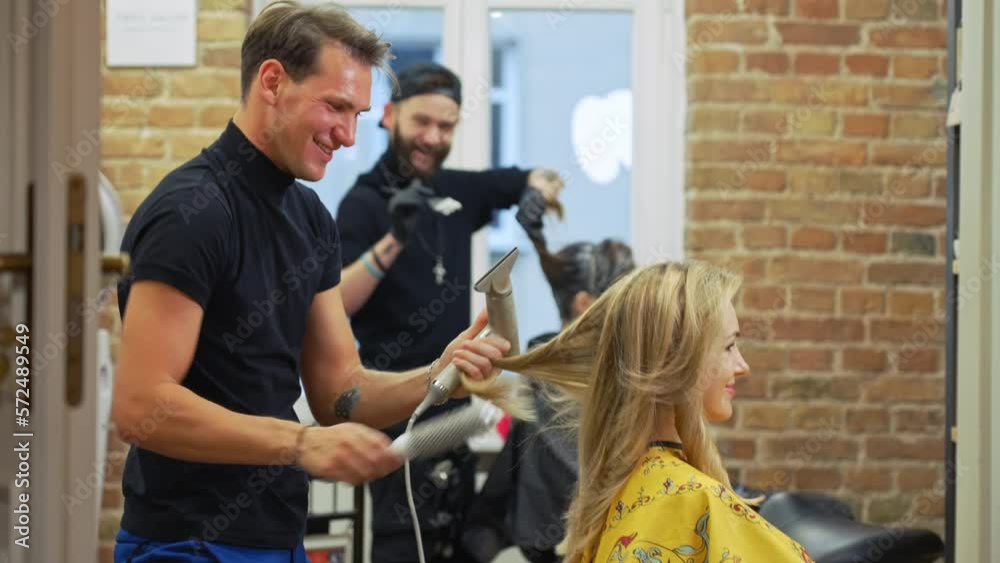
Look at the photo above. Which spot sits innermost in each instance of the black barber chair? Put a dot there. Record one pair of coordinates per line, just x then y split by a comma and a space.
826, 528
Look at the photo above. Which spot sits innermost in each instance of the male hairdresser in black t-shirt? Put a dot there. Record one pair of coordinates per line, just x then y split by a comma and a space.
408, 284
235, 293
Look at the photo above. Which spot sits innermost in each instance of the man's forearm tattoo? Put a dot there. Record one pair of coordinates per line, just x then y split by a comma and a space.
344, 405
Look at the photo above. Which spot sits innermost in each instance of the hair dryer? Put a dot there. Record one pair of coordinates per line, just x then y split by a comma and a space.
502, 322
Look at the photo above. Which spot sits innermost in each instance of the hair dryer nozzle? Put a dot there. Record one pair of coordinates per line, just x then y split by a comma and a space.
497, 280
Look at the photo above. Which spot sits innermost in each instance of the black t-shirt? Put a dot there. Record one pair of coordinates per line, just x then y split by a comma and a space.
409, 318
252, 247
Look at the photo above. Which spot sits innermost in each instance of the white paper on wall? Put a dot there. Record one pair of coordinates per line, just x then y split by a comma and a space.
144, 33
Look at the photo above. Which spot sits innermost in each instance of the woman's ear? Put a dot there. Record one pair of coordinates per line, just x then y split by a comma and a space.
581, 302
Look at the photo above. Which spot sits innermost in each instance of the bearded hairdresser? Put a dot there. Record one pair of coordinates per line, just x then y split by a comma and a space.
409, 284
234, 296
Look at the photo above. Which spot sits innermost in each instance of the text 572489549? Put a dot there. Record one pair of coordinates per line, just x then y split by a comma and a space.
21, 517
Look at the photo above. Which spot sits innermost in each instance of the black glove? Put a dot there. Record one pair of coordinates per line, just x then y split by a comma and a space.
530, 211
405, 209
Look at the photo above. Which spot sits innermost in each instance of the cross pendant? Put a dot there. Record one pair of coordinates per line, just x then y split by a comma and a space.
439, 272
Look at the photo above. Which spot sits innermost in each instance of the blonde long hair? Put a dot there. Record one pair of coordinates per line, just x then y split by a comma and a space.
643, 344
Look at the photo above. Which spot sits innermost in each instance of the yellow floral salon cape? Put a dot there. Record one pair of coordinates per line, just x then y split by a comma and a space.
669, 512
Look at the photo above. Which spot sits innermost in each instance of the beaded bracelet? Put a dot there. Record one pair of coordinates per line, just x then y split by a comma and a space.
430, 372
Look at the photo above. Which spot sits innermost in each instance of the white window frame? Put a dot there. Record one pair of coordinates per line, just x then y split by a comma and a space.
977, 471
659, 46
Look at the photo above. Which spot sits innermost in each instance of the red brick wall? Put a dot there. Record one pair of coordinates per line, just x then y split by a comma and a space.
815, 167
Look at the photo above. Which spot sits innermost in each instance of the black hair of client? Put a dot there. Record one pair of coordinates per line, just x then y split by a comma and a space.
580, 272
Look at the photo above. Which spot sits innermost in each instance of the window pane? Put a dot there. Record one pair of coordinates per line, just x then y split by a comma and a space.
565, 102
497, 53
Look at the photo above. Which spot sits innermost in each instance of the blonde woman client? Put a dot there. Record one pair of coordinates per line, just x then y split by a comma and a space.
649, 364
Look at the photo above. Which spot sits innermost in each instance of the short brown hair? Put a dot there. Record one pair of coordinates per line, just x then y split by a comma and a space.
294, 34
